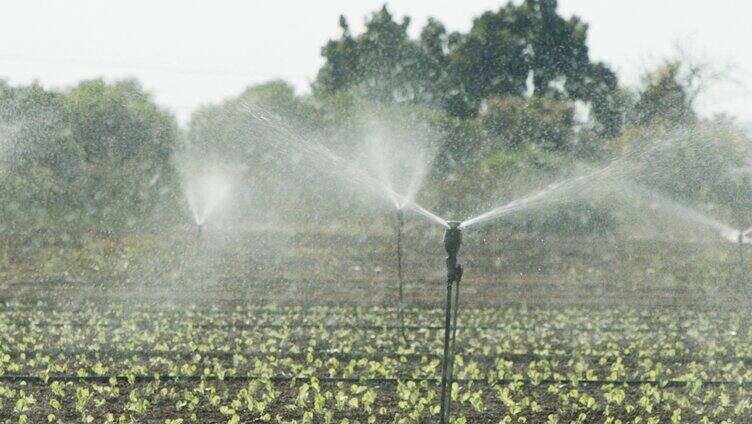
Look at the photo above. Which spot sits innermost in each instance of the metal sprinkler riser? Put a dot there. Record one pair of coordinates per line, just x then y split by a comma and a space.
743, 278
400, 277
452, 244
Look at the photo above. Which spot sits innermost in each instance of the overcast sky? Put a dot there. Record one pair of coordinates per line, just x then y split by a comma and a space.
189, 53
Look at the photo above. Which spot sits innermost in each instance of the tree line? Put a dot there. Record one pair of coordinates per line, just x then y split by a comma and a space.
515, 99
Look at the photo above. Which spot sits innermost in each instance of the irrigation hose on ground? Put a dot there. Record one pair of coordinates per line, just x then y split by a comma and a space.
141, 378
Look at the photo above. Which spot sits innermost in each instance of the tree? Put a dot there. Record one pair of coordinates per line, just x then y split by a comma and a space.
126, 142
36, 162
247, 133
231, 131
608, 102
383, 62
96, 153
665, 100
515, 122
519, 50
490, 59
29, 116
530, 46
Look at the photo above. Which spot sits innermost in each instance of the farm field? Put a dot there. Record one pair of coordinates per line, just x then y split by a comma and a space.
532, 347
424, 213
514, 212
327, 364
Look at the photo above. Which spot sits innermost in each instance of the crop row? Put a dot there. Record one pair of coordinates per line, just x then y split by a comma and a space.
330, 364
320, 401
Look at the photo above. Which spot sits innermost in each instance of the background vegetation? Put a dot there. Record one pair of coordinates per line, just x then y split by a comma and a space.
511, 105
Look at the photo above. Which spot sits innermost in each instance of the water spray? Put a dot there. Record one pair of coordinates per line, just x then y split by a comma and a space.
207, 190
604, 179
452, 244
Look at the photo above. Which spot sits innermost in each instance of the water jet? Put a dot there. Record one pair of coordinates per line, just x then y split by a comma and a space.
390, 170
207, 191
401, 168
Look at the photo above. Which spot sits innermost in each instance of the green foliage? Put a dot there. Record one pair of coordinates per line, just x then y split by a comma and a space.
516, 122
263, 132
383, 63
98, 153
230, 130
36, 161
126, 142
665, 99
703, 164
498, 104
530, 46
502, 53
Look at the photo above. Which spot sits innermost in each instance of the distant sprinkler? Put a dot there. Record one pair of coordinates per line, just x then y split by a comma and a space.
452, 244
199, 230
742, 239
401, 305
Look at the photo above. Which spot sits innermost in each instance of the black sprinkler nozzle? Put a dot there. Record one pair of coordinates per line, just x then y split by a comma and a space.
453, 238
452, 244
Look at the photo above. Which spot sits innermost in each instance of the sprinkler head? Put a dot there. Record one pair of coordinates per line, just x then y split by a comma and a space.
400, 222
452, 243
453, 238
199, 230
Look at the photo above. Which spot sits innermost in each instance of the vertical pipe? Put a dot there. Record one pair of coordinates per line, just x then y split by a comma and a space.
446, 397
199, 230
401, 306
452, 244
743, 285
450, 369
742, 264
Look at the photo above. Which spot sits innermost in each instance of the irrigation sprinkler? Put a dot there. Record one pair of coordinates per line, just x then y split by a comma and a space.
199, 230
452, 244
401, 305
742, 263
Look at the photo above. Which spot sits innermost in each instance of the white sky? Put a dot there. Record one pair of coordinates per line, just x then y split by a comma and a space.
189, 53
